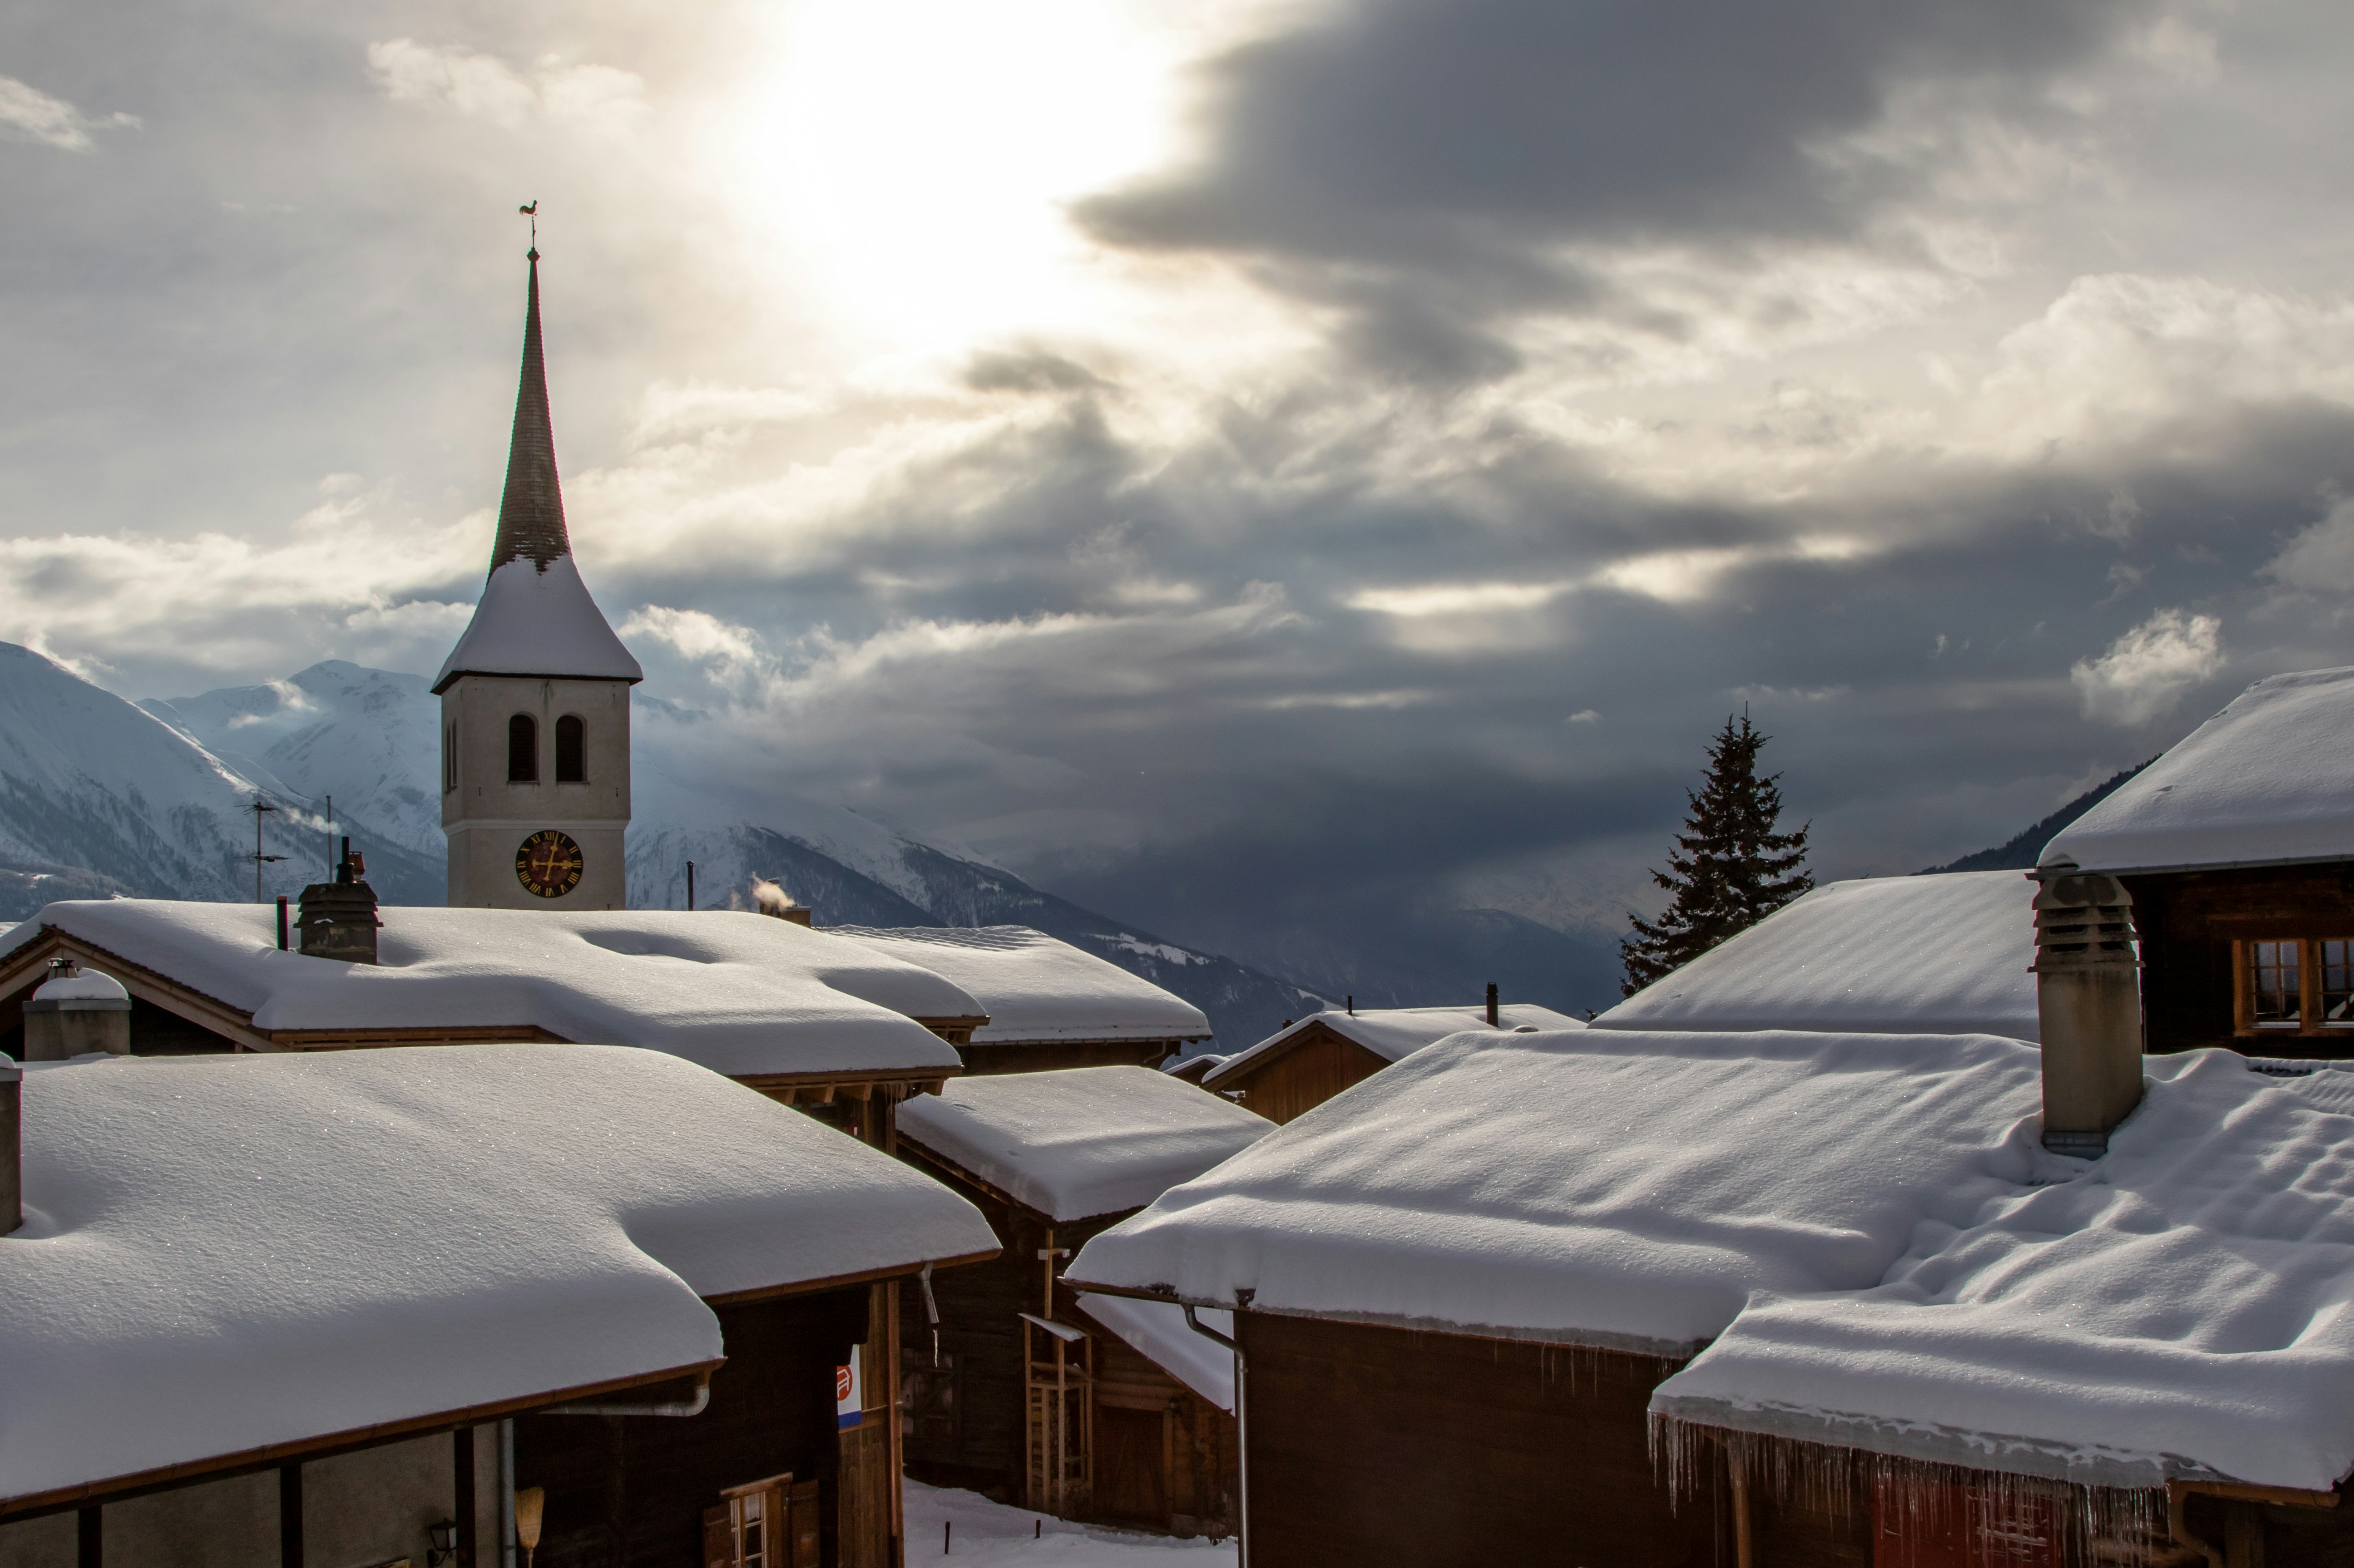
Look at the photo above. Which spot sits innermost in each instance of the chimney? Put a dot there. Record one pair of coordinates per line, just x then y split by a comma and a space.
339, 919
77, 1011
12, 1147
2087, 1005
1494, 1019
772, 899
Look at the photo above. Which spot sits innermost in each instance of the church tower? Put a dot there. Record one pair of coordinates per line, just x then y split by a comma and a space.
535, 699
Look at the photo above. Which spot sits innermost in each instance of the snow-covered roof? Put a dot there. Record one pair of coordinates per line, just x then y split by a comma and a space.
538, 620
2270, 778
1036, 987
1081, 1141
741, 994
222, 1254
1157, 1331
1944, 955
1392, 1032
1866, 1226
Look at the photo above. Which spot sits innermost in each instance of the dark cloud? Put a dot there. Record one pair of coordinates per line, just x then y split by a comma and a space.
1421, 161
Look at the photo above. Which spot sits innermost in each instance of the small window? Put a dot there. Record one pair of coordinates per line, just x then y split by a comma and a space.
449, 757
2337, 984
522, 750
571, 750
2274, 985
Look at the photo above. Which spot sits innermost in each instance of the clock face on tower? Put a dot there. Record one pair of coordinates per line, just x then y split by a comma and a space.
549, 863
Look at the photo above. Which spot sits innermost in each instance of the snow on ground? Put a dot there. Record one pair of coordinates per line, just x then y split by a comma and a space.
741, 994
2269, 779
1036, 987
983, 1532
1082, 1140
1939, 954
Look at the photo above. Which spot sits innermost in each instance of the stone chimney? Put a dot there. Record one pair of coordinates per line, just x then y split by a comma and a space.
2088, 1005
77, 1011
12, 1146
339, 919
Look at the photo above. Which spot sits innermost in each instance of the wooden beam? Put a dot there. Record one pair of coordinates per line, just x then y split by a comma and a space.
839, 1281
268, 1457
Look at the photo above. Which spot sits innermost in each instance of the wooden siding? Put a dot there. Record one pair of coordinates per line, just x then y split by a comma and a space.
1372, 1445
1314, 1065
1053, 1055
1165, 1456
2189, 923
630, 1492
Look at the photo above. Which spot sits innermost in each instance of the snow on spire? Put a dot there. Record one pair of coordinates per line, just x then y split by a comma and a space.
535, 617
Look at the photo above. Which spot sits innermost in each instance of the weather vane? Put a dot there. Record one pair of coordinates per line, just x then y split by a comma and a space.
532, 212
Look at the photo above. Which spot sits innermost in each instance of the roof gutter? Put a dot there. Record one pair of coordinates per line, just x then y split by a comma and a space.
674, 1407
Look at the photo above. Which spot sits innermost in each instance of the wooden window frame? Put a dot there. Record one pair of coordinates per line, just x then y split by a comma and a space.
2310, 1024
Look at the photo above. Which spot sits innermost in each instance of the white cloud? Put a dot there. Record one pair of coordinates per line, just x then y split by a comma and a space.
29, 114
2321, 560
484, 87
2146, 673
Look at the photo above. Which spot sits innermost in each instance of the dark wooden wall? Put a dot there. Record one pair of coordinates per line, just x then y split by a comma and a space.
1371, 1446
630, 1492
2188, 922
1165, 1456
1053, 1055
964, 1426
1316, 1066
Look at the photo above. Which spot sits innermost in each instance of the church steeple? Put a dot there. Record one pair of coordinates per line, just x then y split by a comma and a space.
535, 698
535, 617
531, 513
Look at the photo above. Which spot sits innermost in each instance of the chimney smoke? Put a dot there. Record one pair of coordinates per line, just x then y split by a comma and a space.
2088, 1007
771, 899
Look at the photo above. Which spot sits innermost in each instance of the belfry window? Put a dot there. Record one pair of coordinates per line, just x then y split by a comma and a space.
522, 750
571, 750
449, 757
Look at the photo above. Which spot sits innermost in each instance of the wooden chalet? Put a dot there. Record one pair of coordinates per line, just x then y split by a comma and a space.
2238, 848
1303, 1065
351, 1319
1016, 1389
1050, 1004
1641, 1298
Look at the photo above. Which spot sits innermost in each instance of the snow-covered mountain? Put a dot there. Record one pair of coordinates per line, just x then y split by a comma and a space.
99, 796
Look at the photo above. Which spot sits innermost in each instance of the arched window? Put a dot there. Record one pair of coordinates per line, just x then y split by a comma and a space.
522, 750
571, 750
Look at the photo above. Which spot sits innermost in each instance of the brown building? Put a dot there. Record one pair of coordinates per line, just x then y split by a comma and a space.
1747, 1298
1049, 1004
1303, 1065
2238, 848
348, 1313
1016, 1387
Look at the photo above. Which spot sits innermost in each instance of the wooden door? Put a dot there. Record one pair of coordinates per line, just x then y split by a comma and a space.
1131, 1466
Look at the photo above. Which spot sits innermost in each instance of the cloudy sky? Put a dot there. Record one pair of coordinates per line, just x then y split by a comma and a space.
1231, 460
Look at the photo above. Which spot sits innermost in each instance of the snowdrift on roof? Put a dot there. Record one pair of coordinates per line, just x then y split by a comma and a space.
1081, 1141
1944, 955
1158, 1331
538, 620
1393, 1033
1866, 1226
229, 1252
2270, 778
1034, 987
741, 994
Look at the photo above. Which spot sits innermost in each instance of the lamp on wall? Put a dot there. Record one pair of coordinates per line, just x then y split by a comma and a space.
444, 1547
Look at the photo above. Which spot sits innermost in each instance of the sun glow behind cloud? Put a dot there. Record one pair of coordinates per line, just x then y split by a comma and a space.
917, 156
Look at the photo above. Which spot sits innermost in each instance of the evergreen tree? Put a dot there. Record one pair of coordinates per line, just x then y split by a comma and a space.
1731, 869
